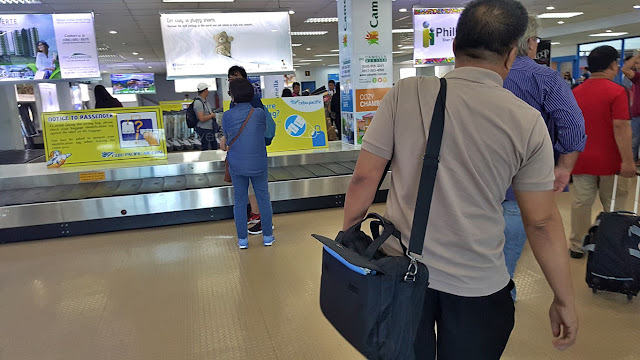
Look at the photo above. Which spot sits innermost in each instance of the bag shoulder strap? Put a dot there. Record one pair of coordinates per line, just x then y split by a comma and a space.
242, 128
430, 164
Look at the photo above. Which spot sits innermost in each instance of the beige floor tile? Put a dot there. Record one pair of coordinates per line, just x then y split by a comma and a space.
187, 292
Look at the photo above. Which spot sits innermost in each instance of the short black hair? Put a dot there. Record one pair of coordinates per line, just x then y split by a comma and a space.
237, 69
601, 58
332, 82
286, 92
490, 28
628, 57
295, 83
241, 90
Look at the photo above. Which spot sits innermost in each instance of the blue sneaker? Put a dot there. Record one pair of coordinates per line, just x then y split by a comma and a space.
268, 240
243, 243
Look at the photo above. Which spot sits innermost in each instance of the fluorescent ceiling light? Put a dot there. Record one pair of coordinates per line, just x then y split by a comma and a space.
298, 64
140, 58
560, 22
397, 52
150, 67
113, 32
406, 47
308, 33
134, 53
291, 12
636, 6
308, 49
565, 15
324, 55
551, 7
402, 31
20, 2
609, 34
322, 20
107, 56
335, 50
312, 60
555, 43
294, 45
403, 10
196, 1
333, 65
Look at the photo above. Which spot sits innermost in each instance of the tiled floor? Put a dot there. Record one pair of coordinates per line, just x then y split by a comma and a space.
187, 292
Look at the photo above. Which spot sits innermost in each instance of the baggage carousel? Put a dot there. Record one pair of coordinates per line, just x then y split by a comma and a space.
39, 203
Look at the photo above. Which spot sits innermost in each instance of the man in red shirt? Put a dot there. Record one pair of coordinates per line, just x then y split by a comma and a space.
631, 70
605, 106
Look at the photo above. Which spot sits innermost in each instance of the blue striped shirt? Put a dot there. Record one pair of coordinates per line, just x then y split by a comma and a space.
544, 89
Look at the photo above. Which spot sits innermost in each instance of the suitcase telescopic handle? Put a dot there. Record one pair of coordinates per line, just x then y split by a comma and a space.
615, 191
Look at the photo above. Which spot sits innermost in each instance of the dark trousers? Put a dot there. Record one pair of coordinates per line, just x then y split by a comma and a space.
207, 138
467, 327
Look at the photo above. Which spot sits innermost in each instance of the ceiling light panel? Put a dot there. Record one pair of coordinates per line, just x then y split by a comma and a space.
295, 45
613, 34
327, 55
308, 33
20, 2
402, 31
565, 15
322, 20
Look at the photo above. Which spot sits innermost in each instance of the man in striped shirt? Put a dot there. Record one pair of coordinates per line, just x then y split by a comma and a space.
545, 90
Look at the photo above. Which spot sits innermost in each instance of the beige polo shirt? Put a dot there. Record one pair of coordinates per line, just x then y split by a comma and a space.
491, 139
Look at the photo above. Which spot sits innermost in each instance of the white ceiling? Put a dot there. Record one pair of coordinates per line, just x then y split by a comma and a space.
138, 23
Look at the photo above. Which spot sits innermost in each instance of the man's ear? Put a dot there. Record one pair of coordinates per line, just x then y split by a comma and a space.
513, 54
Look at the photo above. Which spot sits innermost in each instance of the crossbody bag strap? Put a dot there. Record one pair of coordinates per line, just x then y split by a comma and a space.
242, 128
430, 164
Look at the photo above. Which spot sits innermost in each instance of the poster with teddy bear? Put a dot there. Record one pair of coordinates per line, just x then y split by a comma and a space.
209, 43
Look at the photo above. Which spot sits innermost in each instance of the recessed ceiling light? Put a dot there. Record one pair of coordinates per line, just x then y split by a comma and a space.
294, 45
402, 31
322, 20
560, 22
150, 67
134, 53
608, 31
555, 43
308, 49
140, 58
274, 30
113, 32
565, 15
403, 10
551, 7
308, 33
609, 34
291, 12
335, 50
636, 6
294, 55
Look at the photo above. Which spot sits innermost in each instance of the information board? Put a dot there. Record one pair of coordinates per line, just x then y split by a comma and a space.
300, 123
103, 136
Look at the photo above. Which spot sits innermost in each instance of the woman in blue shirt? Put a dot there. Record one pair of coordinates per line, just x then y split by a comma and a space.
247, 158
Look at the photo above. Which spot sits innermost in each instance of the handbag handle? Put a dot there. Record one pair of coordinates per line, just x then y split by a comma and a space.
242, 128
379, 239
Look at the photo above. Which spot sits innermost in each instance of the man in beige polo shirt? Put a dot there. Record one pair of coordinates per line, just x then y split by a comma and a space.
491, 140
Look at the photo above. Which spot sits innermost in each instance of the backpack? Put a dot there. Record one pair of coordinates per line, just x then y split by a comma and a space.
192, 117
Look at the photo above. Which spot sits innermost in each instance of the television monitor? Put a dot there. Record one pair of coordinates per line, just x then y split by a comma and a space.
124, 84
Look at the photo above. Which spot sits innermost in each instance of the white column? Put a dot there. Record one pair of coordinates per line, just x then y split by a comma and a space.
10, 129
65, 99
366, 62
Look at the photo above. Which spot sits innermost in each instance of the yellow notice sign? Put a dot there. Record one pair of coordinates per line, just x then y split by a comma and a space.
103, 136
176, 105
92, 176
300, 123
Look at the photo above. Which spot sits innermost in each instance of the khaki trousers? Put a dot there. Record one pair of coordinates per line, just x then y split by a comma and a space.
585, 188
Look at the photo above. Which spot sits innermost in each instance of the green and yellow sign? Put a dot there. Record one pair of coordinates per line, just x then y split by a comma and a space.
103, 136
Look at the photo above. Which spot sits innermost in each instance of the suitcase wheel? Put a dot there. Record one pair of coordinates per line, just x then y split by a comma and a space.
594, 290
629, 297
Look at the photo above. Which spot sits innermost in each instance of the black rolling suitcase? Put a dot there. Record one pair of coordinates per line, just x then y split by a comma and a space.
613, 245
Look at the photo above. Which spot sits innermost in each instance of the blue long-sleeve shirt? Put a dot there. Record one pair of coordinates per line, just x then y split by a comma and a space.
544, 89
247, 156
256, 102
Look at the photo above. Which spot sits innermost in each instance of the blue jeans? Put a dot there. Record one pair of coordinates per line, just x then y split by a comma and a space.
241, 197
207, 138
635, 139
515, 237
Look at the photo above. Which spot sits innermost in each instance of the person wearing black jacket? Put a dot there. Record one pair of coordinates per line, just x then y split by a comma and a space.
104, 100
336, 118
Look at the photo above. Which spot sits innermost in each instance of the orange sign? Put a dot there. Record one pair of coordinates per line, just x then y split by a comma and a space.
92, 176
369, 99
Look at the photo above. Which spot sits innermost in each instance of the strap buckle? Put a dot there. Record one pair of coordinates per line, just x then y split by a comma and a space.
412, 271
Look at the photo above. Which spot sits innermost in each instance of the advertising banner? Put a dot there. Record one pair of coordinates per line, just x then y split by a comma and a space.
300, 123
133, 84
273, 86
366, 63
434, 32
44, 46
209, 43
103, 136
